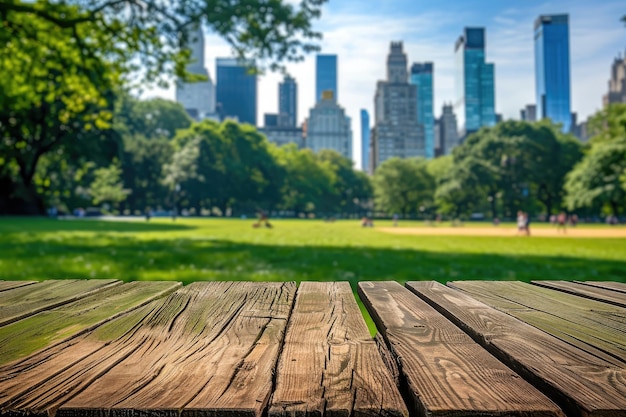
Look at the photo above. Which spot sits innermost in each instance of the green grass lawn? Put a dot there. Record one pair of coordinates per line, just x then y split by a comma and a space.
294, 250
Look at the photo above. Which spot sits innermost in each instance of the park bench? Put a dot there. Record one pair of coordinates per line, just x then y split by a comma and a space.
476, 348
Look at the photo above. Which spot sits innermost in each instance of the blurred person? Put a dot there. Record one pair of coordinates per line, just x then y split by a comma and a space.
561, 222
527, 224
521, 222
395, 220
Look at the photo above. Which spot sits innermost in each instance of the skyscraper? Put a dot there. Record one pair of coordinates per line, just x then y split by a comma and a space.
288, 100
617, 83
529, 113
365, 139
198, 99
552, 69
447, 129
326, 76
396, 132
422, 77
236, 90
328, 127
474, 83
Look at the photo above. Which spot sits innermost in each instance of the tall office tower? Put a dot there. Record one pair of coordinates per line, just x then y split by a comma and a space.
447, 128
288, 100
236, 90
396, 132
198, 99
422, 77
552, 69
617, 83
474, 82
325, 76
529, 113
328, 127
365, 139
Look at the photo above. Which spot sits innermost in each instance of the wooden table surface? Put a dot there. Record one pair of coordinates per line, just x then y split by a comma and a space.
476, 348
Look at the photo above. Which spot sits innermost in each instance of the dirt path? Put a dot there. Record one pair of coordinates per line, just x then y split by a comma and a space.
616, 232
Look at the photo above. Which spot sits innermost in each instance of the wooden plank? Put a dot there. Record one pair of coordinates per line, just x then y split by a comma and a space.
593, 293
609, 285
9, 285
445, 372
595, 327
208, 346
31, 299
35, 332
582, 384
330, 364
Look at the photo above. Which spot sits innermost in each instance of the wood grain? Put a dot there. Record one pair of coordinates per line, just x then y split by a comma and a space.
31, 299
330, 364
599, 294
582, 384
445, 372
595, 327
209, 346
35, 332
609, 285
9, 285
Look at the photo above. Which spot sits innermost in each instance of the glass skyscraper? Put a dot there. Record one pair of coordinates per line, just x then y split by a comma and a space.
236, 91
288, 100
365, 139
422, 77
552, 69
474, 83
325, 76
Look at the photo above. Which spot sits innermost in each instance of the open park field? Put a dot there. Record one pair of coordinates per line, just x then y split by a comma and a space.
190, 250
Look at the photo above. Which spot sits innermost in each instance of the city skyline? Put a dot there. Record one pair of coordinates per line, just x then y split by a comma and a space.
359, 38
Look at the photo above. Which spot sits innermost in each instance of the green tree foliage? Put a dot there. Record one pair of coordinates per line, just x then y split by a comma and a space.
511, 166
151, 36
308, 184
53, 98
62, 61
151, 119
351, 189
403, 186
107, 186
600, 178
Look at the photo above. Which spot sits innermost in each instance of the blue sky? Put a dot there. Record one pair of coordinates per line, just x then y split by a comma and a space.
359, 32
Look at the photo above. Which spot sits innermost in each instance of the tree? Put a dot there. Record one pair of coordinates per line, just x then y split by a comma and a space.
600, 178
107, 186
49, 101
351, 189
63, 61
156, 33
403, 186
308, 184
151, 119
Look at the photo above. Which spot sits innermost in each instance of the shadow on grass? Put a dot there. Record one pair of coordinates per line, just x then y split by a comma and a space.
89, 225
189, 260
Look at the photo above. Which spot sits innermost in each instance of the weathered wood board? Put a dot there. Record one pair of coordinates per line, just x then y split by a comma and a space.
446, 373
9, 285
17, 303
609, 285
330, 364
594, 293
209, 346
584, 385
23, 337
596, 327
